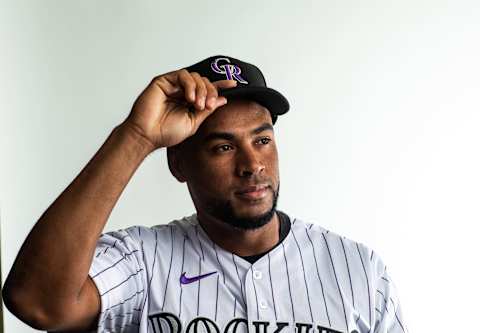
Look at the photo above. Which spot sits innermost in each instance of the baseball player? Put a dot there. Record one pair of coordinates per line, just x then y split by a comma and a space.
237, 265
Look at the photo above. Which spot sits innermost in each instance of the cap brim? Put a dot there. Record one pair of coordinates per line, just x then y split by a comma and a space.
275, 102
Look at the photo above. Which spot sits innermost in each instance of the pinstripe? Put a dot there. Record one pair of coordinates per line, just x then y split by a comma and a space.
239, 280
181, 287
199, 269
223, 274
125, 300
169, 268
110, 317
151, 274
118, 285
368, 289
288, 280
304, 277
348, 270
218, 260
114, 264
336, 279
271, 286
147, 294
111, 246
216, 300
199, 284
395, 312
199, 242
119, 328
319, 279
256, 298
384, 299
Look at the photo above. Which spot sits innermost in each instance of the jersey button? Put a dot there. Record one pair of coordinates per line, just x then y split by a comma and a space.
257, 275
263, 305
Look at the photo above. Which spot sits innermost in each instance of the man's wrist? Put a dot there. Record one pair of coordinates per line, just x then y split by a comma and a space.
132, 132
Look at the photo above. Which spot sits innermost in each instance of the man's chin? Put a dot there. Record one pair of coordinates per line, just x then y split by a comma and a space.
252, 212
249, 217
250, 222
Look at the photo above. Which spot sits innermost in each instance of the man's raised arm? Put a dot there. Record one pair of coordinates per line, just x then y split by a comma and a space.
48, 286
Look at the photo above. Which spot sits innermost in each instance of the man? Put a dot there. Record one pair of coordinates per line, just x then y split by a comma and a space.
237, 265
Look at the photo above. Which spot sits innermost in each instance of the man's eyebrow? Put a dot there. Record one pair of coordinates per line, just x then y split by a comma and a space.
263, 127
230, 136
218, 135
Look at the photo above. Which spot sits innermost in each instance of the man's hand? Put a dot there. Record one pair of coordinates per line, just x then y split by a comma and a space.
173, 106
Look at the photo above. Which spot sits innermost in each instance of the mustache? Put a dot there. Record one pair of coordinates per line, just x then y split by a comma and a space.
254, 185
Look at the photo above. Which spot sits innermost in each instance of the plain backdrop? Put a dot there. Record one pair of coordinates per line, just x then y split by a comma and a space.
380, 145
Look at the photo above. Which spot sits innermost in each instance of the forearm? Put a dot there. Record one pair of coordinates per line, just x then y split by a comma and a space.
53, 263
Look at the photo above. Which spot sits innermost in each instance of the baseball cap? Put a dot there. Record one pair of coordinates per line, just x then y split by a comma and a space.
251, 83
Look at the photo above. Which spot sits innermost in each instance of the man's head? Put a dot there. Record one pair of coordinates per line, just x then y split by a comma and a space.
231, 165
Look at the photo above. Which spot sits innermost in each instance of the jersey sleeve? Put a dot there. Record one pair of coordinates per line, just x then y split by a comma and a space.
119, 272
388, 314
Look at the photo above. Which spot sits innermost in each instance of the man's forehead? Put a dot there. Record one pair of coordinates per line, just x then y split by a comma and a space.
237, 116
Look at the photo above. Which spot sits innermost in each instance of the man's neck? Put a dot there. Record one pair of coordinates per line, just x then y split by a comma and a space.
239, 241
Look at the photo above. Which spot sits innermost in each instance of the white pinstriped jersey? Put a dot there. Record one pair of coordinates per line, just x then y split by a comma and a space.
313, 281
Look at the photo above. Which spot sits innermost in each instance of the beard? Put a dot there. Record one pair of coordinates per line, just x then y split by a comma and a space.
223, 211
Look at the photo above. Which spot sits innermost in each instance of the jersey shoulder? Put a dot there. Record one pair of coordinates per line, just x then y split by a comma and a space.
139, 232
338, 243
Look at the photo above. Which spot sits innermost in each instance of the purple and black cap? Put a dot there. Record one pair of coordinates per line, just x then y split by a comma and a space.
251, 83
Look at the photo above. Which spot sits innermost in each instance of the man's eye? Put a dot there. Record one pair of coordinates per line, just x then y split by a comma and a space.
223, 148
264, 141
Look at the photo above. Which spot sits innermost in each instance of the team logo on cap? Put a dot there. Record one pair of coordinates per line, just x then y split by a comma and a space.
223, 66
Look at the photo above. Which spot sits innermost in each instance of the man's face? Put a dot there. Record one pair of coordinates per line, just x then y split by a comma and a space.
231, 165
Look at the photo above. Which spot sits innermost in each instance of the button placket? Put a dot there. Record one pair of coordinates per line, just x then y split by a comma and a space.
257, 275
263, 305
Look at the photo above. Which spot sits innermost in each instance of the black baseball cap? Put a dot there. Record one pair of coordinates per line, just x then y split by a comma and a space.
251, 83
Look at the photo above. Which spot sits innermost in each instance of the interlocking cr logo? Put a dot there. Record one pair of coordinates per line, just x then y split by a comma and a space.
223, 66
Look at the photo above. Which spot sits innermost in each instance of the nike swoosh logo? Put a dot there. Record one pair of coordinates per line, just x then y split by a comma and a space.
187, 280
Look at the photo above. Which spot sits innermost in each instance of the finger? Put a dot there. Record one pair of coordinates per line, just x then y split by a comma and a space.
187, 83
212, 93
225, 84
220, 101
166, 86
199, 117
200, 91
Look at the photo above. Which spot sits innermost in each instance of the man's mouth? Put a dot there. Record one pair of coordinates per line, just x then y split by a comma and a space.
254, 192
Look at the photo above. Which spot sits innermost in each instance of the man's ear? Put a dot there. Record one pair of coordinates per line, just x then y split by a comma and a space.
175, 164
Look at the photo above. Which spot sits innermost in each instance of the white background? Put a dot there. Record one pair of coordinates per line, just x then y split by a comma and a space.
380, 145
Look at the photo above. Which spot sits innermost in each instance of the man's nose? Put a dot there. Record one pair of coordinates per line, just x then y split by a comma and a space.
249, 163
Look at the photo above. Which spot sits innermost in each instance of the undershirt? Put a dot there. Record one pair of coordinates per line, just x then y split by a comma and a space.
282, 232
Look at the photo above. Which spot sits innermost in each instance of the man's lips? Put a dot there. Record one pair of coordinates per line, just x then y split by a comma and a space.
253, 192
